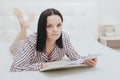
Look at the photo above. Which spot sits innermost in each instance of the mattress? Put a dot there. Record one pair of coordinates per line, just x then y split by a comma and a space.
107, 67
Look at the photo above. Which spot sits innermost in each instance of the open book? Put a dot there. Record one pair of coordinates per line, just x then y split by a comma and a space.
62, 64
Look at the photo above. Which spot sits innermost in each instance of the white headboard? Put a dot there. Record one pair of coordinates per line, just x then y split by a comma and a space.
80, 19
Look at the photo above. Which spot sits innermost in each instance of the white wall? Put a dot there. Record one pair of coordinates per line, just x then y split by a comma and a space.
100, 12
109, 7
80, 16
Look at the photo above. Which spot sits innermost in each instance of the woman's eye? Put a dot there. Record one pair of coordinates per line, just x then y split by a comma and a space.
59, 25
49, 26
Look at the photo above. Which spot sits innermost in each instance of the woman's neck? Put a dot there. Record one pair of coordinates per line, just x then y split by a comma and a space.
50, 46
50, 42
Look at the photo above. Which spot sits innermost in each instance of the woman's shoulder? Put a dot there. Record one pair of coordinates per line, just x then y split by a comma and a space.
32, 38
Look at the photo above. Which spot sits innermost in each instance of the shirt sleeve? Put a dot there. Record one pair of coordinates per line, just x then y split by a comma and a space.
15, 46
22, 61
70, 51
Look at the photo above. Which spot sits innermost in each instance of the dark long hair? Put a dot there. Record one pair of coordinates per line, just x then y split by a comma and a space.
41, 29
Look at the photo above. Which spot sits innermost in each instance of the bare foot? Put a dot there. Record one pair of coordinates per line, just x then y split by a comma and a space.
19, 15
24, 24
29, 20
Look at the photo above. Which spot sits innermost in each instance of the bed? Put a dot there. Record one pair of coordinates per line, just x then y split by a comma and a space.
107, 67
82, 27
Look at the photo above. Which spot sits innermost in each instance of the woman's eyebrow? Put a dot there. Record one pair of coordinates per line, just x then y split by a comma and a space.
60, 23
48, 23
52, 24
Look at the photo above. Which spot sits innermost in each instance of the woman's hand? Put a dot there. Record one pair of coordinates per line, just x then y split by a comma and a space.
43, 65
91, 62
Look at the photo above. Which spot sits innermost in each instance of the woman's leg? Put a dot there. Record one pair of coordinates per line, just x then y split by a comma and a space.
23, 30
23, 24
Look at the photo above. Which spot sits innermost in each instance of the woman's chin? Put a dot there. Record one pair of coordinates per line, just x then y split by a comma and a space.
55, 38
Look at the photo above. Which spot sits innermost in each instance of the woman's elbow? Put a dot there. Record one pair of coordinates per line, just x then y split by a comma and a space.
15, 68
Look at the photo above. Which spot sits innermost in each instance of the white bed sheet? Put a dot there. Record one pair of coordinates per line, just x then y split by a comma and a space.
107, 67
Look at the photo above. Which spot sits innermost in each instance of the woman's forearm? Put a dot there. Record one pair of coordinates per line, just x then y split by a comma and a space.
48, 64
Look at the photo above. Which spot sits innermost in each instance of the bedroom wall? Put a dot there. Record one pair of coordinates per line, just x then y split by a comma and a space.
80, 17
109, 7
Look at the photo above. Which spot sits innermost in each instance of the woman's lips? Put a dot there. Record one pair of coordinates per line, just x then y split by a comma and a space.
55, 34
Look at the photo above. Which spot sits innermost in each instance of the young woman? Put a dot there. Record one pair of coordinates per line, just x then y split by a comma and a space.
44, 48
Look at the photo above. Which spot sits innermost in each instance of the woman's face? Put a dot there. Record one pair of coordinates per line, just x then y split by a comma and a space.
54, 27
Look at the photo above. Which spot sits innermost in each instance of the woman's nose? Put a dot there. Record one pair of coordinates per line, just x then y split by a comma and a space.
55, 28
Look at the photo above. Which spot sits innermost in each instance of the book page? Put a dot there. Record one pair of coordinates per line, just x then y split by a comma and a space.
62, 64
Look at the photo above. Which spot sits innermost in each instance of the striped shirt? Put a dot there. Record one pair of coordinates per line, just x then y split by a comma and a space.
27, 58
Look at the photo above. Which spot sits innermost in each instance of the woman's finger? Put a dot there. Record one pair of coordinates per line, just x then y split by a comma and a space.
91, 63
